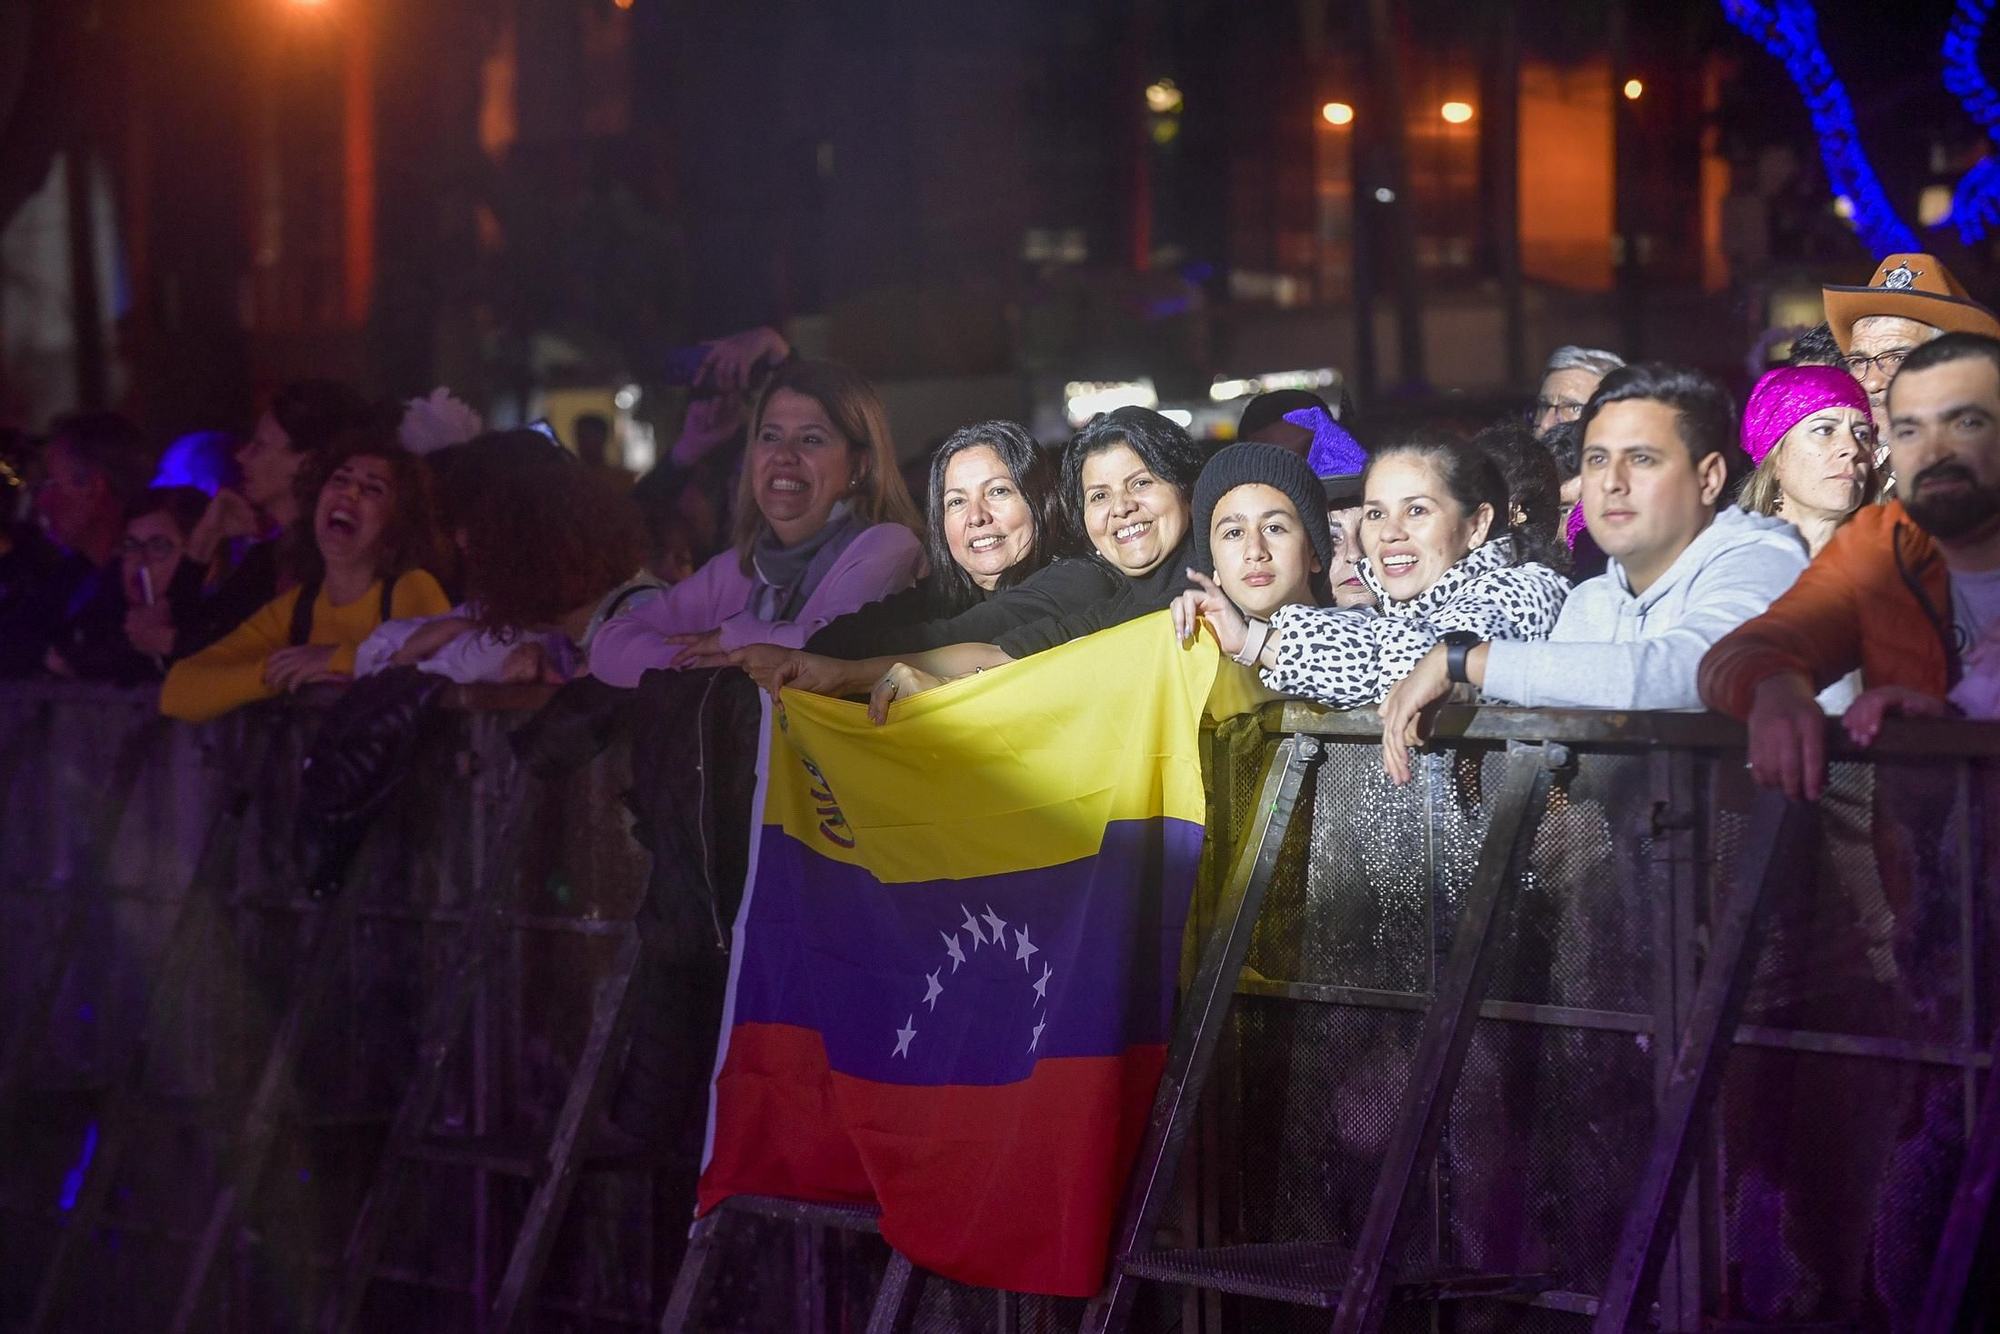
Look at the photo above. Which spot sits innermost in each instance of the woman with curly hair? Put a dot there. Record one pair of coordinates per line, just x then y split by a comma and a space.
549, 547
372, 539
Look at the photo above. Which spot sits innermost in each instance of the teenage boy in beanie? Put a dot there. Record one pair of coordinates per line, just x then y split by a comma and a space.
1260, 529
1658, 448
1904, 591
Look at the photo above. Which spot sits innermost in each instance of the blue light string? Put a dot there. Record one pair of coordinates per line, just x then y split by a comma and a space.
1975, 203
1789, 30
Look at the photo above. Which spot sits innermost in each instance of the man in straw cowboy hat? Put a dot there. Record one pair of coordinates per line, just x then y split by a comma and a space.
1911, 300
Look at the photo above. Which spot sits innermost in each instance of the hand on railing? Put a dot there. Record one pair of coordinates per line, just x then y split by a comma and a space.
1406, 712
1788, 738
1863, 719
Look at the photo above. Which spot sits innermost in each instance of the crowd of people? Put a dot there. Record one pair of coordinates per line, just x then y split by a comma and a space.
1632, 542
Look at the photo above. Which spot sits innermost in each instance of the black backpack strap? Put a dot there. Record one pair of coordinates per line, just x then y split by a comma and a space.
388, 596
302, 611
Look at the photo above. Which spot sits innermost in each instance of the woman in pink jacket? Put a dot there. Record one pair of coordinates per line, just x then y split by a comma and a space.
824, 526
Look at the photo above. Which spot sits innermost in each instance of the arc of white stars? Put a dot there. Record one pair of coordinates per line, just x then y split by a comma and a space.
999, 925
971, 924
1042, 983
951, 948
932, 989
905, 1033
1024, 947
1039, 1026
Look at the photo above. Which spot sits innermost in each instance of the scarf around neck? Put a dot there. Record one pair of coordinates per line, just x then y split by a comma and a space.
783, 577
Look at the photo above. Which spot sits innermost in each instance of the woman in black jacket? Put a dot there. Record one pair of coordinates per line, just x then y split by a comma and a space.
998, 547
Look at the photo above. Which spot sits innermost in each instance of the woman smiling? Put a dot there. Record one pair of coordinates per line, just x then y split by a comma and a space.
1127, 482
995, 528
1439, 558
371, 538
823, 526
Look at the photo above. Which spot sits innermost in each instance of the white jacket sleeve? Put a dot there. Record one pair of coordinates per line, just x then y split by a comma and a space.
1653, 672
386, 640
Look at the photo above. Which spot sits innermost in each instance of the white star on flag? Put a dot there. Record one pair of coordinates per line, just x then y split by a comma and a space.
951, 948
971, 924
908, 1031
932, 989
1041, 984
1024, 948
1038, 1034
999, 927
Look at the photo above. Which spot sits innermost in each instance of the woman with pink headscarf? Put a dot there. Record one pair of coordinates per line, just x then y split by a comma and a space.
1809, 433
1808, 430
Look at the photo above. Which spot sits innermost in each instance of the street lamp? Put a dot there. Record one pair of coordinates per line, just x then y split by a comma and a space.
1456, 113
1337, 113
1634, 90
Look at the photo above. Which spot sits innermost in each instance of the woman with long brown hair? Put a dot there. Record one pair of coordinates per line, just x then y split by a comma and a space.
824, 525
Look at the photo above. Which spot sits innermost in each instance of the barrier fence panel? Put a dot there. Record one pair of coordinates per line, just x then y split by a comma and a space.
1819, 1189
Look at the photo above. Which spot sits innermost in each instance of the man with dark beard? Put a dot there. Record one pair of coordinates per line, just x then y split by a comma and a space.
1902, 592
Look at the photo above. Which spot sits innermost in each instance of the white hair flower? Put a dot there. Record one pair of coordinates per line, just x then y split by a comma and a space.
432, 423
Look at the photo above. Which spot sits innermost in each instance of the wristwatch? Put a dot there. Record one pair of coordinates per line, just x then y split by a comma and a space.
1458, 643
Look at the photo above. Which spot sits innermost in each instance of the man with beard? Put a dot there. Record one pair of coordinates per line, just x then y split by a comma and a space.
1903, 591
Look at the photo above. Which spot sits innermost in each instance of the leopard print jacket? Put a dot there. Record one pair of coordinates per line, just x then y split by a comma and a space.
1352, 657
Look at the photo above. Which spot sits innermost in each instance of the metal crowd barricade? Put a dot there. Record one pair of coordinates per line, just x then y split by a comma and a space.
1663, 1114
1515, 1046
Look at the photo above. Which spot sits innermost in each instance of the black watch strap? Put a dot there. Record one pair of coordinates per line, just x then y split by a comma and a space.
1456, 645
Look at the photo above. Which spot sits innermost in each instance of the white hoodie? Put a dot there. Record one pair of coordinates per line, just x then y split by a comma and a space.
1612, 649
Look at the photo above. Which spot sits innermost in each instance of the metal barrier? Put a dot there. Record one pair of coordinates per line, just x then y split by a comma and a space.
1552, 1164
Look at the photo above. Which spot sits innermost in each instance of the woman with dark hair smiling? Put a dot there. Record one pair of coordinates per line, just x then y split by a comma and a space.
1443, 561
1128, 479
996, 534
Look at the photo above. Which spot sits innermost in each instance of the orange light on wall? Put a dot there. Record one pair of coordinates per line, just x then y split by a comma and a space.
1456, 113
1634, 90
1337, 113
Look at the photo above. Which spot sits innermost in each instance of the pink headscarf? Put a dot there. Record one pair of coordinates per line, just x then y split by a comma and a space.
1787, 396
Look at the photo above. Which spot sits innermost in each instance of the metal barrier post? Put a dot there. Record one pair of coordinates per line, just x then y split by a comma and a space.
1697, 1074
1447, 1034
1203, 1012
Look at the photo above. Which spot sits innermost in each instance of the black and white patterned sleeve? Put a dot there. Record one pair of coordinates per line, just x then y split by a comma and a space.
1520, 602
1344, 658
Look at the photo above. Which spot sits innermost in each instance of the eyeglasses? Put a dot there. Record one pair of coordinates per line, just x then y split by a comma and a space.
1886, 362
157, 547
1563, 409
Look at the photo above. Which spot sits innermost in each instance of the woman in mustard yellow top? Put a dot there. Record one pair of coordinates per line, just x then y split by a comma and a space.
372, 533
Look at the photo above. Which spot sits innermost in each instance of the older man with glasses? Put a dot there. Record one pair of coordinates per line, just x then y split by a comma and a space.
1911, 299
1568, 381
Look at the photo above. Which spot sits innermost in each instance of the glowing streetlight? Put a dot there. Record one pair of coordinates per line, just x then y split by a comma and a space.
622, 4
1163, 97
1337, 113
1634, 90
1456, 113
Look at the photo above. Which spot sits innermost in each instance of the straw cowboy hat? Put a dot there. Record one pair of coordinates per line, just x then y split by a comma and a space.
1916, 287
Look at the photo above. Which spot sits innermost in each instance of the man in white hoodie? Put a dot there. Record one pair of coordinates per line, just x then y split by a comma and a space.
1659, 452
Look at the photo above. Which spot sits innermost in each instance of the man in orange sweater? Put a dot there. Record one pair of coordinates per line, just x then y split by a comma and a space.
1901, 592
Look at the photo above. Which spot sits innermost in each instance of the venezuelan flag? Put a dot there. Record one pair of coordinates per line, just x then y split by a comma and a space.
954, 967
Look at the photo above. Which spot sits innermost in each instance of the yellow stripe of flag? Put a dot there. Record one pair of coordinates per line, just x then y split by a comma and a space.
1012, 769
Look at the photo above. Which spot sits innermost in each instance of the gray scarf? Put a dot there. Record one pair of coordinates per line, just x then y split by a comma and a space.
785, 577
